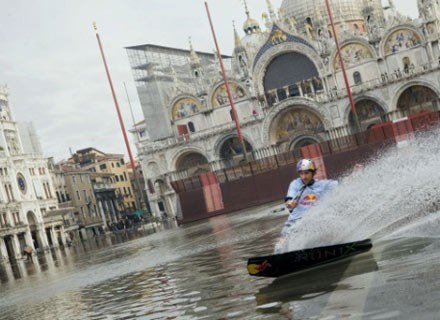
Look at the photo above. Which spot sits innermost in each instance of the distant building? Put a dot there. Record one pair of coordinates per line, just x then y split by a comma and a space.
29, 212
106, 197
86, 213
95, 161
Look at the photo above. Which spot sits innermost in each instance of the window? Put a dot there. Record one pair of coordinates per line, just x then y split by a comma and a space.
73, 179
191, 127
81, 178
113, 165
103, 166
357, 77
10, 190
45, 190
77, 195
3, 219
48, 190
121, 177
125, 176
15, 216
117, 178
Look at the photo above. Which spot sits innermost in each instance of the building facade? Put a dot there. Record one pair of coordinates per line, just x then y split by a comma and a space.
29, 213
93, 160
287, 84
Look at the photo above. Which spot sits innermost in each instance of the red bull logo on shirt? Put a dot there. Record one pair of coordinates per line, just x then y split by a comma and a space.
308, 200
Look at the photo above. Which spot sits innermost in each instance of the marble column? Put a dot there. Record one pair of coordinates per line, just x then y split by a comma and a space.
53, 235
3, 251
42, 238
298, 84
16, 246
63, 235
312, 87
101, 210
28, 239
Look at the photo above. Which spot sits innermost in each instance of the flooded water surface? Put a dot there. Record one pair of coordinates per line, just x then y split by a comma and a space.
199, 271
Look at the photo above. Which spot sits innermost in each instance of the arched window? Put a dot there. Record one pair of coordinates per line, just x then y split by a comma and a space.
357, 77
406, 64
191, 127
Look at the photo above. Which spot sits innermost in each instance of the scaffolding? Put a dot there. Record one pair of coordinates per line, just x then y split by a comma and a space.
152, 62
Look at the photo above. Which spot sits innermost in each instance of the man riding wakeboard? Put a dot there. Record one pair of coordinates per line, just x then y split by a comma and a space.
303, 193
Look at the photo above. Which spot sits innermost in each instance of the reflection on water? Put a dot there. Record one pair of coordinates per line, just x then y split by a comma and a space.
325, 279
199, 271
209, 279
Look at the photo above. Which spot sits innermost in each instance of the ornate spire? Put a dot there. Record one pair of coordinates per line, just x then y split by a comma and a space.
250, 26
195, 60
238, 46
246, 8
272, 14
391, 4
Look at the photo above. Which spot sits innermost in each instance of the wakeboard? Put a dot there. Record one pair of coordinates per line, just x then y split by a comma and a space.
278, 265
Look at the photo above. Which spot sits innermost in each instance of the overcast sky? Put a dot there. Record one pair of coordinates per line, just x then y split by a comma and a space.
50, 59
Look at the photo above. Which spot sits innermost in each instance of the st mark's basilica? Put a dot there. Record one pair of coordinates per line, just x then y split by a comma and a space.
287, 85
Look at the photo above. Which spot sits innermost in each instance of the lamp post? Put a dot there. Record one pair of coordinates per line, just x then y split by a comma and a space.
228, 90
115, 100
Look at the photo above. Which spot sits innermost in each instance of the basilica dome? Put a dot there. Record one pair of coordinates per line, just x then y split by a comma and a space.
302, 11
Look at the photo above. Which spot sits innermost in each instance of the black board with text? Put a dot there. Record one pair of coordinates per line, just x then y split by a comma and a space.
281, 264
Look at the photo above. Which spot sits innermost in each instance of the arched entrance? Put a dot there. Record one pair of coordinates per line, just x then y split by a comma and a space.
292, 123
231, 150
416, 99
369, 113
302, 142
32, 222
193, 162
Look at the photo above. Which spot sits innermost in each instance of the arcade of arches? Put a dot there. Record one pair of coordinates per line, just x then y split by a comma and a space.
414, 99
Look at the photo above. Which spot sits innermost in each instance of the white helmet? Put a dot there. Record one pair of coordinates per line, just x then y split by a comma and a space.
305, 165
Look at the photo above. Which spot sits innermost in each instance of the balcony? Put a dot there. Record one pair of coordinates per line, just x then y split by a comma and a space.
6, 229
90, 221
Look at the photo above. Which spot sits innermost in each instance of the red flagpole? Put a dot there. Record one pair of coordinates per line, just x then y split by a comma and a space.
115, 100
341, 62
228, 90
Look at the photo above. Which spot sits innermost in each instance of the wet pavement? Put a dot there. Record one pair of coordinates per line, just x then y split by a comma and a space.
199, 272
